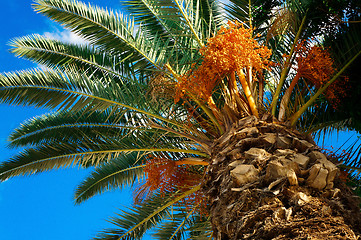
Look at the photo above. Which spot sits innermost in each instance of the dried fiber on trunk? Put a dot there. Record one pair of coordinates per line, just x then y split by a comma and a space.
269, 182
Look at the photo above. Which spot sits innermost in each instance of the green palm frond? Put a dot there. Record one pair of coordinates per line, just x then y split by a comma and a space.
254, 13
176, 227
345, 44
35, 160
85, 154
189, 20
155, 17
351, 158
168, 230
324, 129
238, 9
200, 228
75, 91
68, 126
107, 30
173, 19
87, 146
54, 89
118, 173
134, 223
55, 54
210, 13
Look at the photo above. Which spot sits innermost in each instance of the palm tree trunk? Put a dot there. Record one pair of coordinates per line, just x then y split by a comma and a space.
267, 181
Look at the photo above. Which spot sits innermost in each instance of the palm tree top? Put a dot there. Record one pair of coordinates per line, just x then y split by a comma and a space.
153, 96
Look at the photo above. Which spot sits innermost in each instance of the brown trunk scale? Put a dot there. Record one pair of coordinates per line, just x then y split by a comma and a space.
267, 181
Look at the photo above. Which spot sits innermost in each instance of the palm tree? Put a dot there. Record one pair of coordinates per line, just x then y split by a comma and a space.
207, 111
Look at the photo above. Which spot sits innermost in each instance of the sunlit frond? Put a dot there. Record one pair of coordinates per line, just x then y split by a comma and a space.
69, 126
90, 152
55, 54
154, 97
112, 32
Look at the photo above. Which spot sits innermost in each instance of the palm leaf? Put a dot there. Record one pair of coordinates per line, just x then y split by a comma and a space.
155, 17
87, 151
137, 221
238, 9
168, 229
176, 226
254, 13
118, 173
191, 20
68, 126
55, 54
75, 91
351, 157
110, 31
85, 154
200, 228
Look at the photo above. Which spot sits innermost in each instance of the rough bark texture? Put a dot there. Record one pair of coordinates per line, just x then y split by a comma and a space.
269, 182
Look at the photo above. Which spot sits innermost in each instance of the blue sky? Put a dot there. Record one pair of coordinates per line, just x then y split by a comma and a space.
41, 207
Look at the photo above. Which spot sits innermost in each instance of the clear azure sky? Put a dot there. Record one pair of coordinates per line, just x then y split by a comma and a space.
40, 207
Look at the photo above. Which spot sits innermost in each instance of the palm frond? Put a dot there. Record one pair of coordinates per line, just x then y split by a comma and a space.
111, 32
200, 228
75, 91
170, 19
86, 151
118, 173
85, 154
55, 54
210, 13
351, 158
70, 147
65, 126
345, 44
155, 17
176, 227
134, 223
238, 9
166, 230
191, 19
53, 89
254, 13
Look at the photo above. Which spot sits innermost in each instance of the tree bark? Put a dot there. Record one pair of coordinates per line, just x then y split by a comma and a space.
267, 181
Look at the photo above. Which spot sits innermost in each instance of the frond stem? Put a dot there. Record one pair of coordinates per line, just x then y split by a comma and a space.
209, 113
247, 92
286, 69
286, 97
191, 162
